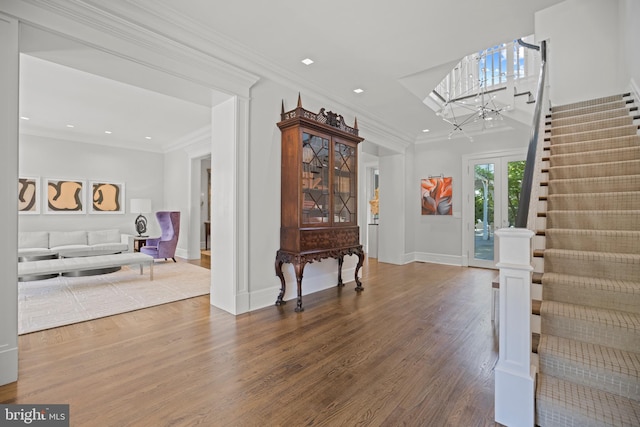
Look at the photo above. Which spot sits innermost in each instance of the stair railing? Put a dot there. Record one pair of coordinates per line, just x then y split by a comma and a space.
515, 374
538, 125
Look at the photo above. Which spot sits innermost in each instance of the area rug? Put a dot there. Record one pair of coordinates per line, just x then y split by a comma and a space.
62, 301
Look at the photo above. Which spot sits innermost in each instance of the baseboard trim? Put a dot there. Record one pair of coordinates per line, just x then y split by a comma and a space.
267, 297
456, 260
8, 366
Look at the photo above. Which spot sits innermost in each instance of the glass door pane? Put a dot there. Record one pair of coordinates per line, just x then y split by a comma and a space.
315, 179
515, 173
344, 184
492, 205
484, 192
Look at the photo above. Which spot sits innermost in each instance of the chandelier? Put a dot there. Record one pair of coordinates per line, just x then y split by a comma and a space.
475, 109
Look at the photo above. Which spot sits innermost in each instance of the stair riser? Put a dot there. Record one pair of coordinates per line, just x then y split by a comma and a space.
609, 242
582, 107
561, 403
593, 171
593, 157
596, 145
579, 373
591, 331
595, 185
598, 134
594, 220
594, 265
629, 200
585, 118
629, 302
592, 126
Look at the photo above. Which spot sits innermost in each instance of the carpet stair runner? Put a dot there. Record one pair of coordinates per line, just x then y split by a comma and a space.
589, 346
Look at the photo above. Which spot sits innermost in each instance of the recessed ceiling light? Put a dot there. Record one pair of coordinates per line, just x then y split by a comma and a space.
358, 90
147, 137
307, 61
70, 126
108, 132
425, 130
25, 118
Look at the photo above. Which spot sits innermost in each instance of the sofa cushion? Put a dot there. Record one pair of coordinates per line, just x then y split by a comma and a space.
103, 236
68, 249
30, 252
33, 239
66, 238
113, 247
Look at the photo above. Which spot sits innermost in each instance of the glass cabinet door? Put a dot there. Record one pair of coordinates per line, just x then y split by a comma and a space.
344, 184
315, 179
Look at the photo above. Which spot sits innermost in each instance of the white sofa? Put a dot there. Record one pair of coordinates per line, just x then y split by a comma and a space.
35, 243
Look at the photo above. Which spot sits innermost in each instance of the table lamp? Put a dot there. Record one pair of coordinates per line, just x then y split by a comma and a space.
141, 206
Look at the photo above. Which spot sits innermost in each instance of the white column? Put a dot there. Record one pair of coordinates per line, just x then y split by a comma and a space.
514, 373
9, 83
229, 206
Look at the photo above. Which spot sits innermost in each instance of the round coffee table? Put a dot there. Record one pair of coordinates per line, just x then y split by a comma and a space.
84, 253
37, 257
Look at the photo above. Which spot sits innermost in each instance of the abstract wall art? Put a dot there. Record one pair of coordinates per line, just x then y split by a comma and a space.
436, 195
106, 197
29, 195
64, 196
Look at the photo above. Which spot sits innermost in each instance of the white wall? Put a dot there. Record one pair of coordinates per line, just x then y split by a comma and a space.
439, 238
391, 228
143, 174
629, 15
176, 194
204, 201
584, 57
9, 77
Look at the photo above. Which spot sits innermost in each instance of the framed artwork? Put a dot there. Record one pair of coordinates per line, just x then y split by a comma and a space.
436, 196
28, 195
64, 196
106, 197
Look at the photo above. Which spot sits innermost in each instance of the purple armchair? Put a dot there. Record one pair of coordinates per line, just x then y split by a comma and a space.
165, 245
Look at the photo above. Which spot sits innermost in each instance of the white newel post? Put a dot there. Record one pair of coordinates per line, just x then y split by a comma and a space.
514, 373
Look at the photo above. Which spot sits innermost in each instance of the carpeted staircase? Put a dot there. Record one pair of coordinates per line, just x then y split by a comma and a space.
589, 348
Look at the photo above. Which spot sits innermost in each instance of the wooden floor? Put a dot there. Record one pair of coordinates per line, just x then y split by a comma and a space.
416, 348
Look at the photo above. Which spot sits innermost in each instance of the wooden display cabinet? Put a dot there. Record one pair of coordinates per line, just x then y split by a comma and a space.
319, 193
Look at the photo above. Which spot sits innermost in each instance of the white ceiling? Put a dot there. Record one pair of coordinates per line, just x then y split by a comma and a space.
395, 51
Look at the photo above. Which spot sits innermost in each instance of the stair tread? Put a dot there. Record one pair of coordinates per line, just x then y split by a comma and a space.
605, 368
592, 255
559, 400
590, 135
595, 356
594, 145
612, 285
622, 319
594, 184
619, 110
590, 126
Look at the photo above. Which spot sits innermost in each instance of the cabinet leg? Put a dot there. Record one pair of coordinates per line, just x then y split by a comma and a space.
299, 268
360, 262
283, 286
340, 262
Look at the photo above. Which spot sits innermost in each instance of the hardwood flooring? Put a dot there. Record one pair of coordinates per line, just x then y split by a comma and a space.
416, 348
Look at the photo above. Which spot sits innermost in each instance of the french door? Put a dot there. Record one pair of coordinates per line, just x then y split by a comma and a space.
492, 196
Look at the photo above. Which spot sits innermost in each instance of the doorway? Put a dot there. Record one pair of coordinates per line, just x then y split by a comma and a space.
492, 195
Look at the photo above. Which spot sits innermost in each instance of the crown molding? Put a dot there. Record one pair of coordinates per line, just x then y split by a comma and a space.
185, 49
107, 26
196, 144
185, 31
85, 139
